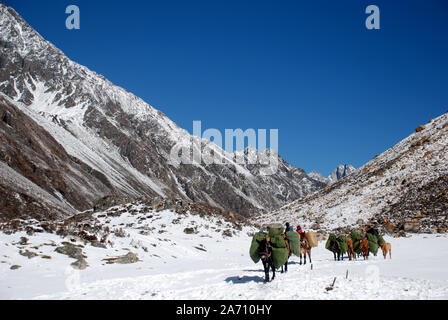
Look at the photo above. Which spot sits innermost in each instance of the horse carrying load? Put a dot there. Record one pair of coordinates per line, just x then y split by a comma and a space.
278, 245
375, 241
340, 240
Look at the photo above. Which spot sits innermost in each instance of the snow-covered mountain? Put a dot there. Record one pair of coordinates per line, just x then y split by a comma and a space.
108, 133
340, 172
404, 188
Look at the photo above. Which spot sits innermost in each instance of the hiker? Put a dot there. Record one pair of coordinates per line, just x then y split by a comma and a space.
299, 229
288, 227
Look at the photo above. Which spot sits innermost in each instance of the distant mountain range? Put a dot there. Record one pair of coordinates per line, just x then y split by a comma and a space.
70, 138
340, 172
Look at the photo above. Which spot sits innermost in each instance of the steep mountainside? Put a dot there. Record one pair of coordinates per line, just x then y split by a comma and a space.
119, 137
405, 188
38, 176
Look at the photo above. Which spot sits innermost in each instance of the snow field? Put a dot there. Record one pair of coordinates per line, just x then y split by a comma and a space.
207, 265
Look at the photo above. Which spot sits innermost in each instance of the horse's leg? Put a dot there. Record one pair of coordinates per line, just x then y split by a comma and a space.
266, 270
309, 255
300, 258
286, 266
273, 269
334, 254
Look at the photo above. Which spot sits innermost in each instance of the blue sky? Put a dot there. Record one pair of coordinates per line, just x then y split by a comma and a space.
337, 92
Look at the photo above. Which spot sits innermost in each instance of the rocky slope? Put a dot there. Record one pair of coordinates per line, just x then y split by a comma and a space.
403, 189
38, 176
125, 142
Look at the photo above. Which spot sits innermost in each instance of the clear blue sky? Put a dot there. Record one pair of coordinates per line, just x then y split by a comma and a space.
337, 92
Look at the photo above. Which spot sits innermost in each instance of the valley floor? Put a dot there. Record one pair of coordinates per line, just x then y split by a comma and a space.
177, 267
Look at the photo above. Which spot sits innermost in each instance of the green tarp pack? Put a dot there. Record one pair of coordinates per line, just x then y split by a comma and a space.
373, 243
294, 242
279, 256
355, 238
255, 245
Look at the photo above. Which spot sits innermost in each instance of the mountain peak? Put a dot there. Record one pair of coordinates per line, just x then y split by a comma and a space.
340, 172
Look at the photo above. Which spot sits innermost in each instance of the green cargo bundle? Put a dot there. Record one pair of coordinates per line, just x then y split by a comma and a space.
279, 256
275, 230
278, 242
331, 238
342, 241
380, 240
355, 238
279, 249
255, 245
373, 243
294, 242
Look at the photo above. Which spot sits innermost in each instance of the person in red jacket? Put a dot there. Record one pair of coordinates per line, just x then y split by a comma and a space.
300, 232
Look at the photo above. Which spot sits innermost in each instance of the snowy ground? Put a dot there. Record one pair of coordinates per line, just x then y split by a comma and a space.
177, 268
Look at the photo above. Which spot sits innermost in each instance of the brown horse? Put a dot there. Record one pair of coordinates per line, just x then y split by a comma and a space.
386, 247
364, 246
305, 248
351, 253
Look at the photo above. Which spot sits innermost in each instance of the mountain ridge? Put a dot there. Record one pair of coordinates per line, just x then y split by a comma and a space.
122, 137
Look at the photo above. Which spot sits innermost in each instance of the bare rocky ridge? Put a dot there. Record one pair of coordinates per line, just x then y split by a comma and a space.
122, 142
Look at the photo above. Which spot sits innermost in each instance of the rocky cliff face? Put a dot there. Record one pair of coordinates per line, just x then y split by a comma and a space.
403, 189
125, 142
